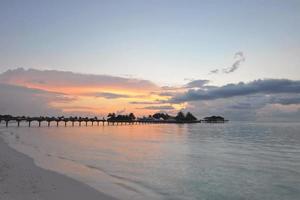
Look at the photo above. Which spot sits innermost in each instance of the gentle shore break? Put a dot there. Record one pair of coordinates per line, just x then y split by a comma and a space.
21, 179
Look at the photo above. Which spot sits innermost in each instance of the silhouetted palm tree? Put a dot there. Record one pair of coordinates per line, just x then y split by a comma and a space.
180, 116
190, 117
131, 116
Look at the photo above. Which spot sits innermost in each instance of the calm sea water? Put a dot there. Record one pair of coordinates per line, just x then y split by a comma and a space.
185, 162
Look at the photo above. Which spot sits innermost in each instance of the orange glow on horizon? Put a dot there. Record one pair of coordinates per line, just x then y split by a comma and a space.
85, 99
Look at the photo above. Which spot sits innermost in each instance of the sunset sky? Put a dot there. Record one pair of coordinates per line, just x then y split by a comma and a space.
240, 59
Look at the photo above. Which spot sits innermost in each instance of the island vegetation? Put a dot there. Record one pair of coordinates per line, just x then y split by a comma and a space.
121, 118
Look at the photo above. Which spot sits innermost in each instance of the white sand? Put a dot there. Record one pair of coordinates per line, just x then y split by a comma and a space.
21, 179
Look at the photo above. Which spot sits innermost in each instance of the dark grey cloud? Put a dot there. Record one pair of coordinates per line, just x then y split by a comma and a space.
109, 95
285, 100
158, 108
214, 71
167, 94
168, 91
241, 106
196, 83
266, 86
199, 83
239, 58
224, 107
257, 107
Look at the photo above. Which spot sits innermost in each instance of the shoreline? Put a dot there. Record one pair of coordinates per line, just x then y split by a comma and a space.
21, 179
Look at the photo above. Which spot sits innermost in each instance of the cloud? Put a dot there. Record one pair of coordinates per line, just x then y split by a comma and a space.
239, 56
242, 101
109, 95
144, 102
214, 71
285, 100
237, 108
49, 79
167, 94
239, 59
242, 106
168, 91
266, 86
263, 104
196, 83
158, 108
19, 100
84, 87
170, 88
257, 107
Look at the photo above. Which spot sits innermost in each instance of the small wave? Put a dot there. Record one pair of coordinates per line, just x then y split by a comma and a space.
97, 168
65, 158
127, 187
123, 180
141, 184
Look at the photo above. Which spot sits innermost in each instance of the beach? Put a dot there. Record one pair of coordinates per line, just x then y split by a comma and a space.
21, 179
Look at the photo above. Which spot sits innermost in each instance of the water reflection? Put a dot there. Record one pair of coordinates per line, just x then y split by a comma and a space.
190, 161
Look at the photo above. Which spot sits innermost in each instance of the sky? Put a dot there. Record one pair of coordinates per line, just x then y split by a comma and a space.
93, 57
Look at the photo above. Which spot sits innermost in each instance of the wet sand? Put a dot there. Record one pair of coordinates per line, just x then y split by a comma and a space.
21, 179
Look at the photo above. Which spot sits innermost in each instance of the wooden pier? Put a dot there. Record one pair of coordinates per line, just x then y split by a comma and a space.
50, 120
85, 121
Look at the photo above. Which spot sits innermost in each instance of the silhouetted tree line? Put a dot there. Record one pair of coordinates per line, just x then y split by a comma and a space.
163, 116
179, 117
188, 117
120, 118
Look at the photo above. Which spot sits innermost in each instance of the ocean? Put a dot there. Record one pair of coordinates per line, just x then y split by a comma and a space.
235, 160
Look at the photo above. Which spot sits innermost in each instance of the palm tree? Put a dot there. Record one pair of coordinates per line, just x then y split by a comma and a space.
111, 116
131, 116
190, 117
180, 116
